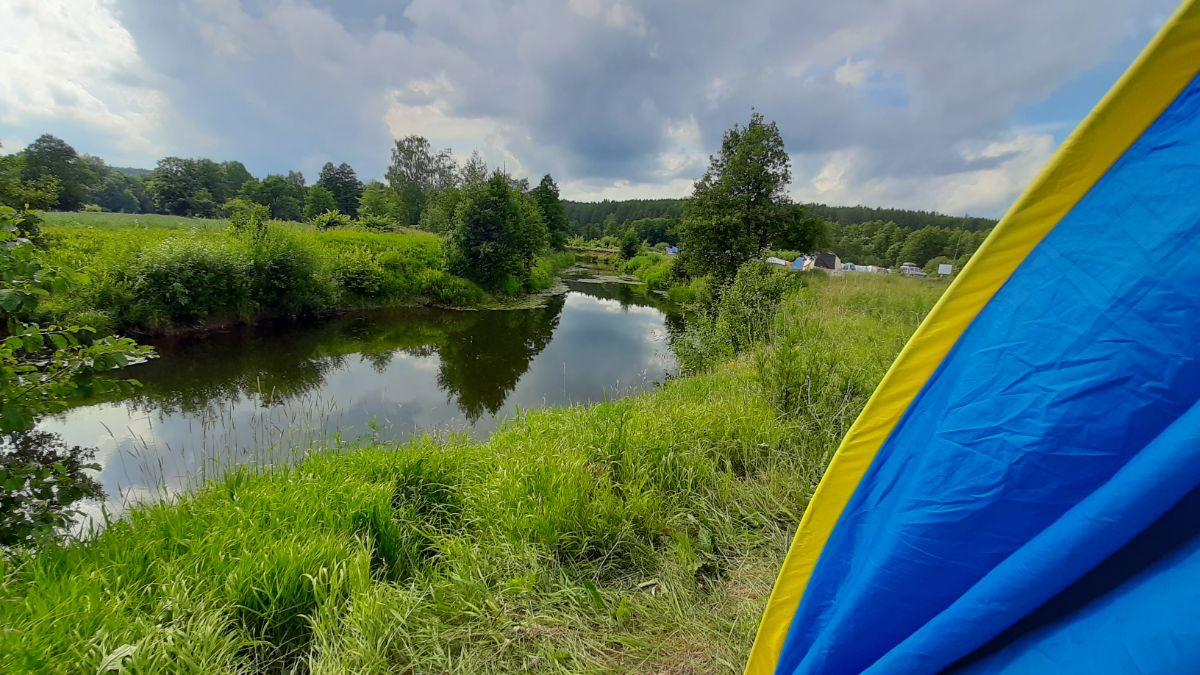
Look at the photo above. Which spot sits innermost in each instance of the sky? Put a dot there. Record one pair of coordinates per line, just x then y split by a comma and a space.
932, 104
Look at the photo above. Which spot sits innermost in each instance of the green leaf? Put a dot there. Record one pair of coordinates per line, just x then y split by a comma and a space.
115, 660
10, 299
34, 342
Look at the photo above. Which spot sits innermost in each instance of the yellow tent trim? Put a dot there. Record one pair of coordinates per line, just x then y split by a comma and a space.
1154, 80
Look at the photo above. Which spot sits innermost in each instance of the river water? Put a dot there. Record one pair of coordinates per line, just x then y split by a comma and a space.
261, 394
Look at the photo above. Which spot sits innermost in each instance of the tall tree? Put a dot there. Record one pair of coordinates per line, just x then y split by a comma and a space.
296, 179
343, 184
415, 170
740, 201
318, 200
483, 243
172, 185
234, 175
38, 193
546, 195
51, 157
284, 197
116, 193
474, 172
380, 201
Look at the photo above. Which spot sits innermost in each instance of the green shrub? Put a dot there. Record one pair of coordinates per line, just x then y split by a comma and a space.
182, 280
375, 223
332, 219
740, 317
546, 268
247, 217
98, 320
92, 208
696, 291
284, 276
359, 273
444, 288
511, 285
657, 270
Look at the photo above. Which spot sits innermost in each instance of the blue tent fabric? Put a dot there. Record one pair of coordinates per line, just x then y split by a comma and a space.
1036, 505
1084, 361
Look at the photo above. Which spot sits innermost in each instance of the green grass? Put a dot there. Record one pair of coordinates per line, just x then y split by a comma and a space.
655, 269
132, 220
638, 535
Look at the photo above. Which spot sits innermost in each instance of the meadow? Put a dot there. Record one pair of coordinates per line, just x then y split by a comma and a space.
636, 535
152, 273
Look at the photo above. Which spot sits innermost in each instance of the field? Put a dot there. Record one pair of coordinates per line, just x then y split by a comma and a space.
638, 535
152, 273
133, 220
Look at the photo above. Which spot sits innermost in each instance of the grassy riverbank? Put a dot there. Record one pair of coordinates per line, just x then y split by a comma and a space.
639, 535
160, 273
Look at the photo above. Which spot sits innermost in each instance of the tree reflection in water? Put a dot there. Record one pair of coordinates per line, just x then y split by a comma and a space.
482, 355
41, 480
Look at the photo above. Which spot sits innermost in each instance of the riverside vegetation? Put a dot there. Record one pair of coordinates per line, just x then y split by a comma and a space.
156, 273
638, 534
632, 535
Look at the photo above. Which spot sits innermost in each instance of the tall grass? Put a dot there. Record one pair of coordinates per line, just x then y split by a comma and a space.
638, 535
653, 268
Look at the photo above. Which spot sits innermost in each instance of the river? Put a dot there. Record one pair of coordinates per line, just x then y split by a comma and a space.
264, 393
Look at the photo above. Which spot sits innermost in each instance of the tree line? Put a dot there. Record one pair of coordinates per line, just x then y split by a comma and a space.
496, 225
865, 235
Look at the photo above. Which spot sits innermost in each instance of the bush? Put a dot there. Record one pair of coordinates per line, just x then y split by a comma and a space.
657, 270
247, 217
741, 316
285, 279
183, 280
695, 291
546, 268
630, 243
359, 273
98, 320
375, 223
510, 285
92, 208
332, 219
444, 288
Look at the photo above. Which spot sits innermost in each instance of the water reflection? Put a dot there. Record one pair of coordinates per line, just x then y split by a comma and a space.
255, 394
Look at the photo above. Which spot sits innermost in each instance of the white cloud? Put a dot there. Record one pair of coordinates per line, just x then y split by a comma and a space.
1008, 166
74, 62
612, 13
592, 190
853, 73
462, 134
